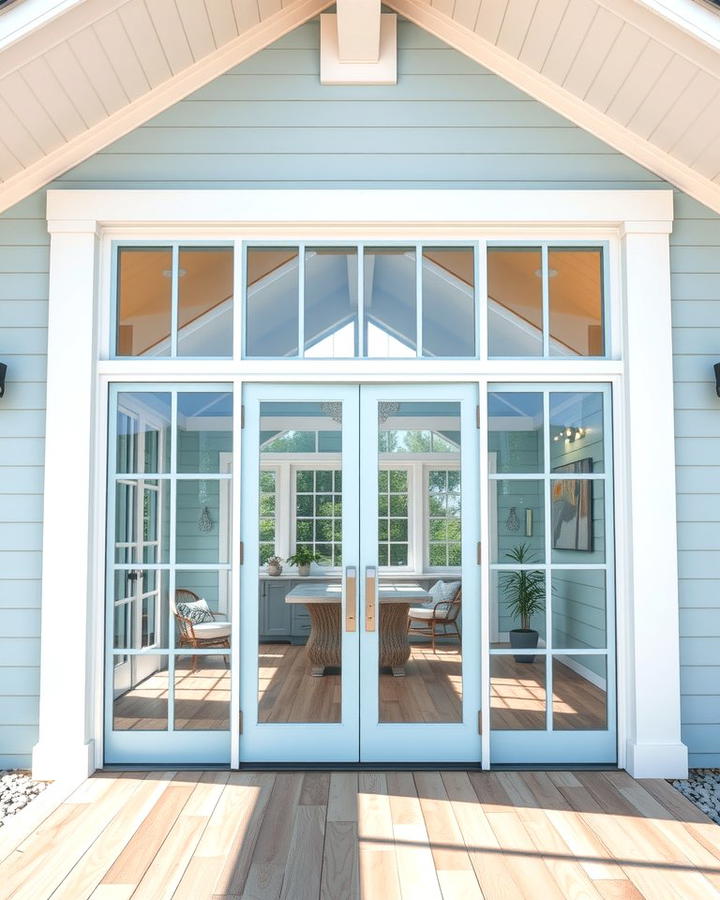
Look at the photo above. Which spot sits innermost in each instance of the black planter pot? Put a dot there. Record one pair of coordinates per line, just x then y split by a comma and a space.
523, 639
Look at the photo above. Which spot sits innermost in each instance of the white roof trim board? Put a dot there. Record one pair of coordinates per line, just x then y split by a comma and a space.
642, 75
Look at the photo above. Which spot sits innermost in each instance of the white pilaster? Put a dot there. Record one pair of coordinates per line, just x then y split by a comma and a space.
65, 746
654, 748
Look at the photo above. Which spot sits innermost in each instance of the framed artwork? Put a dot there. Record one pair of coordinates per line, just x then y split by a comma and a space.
572, 508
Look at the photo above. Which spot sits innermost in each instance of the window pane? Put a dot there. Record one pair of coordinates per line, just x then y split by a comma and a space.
143, 432
444, 520
203, 521
514, 279
576, 301
515, 439
144, 289
206, 588
331, 295
318, 516
390, 302
517, 694
272, 301
393, 520
204, 430
518, 602
580, 693
576, 431
140, 605
205, 301
140, 689
448, 301
518, 521
578, 520
202, 692
579, 608
142, 518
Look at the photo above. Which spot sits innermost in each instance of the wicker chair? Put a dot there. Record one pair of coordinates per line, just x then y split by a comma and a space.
199, 634
443, 613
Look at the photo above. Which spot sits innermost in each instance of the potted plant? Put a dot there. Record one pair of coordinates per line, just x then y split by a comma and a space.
274, 565
524, 592
303, 559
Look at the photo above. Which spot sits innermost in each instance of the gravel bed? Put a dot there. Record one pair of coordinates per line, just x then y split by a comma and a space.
702, 787
17, 789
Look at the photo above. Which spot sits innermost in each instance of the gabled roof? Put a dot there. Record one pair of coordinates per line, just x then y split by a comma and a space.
642, 75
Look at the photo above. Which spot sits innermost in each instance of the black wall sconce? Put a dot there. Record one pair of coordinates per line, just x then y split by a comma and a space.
717, 379
3, 372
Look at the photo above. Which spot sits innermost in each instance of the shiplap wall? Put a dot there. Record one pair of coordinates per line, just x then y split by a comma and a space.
269, 123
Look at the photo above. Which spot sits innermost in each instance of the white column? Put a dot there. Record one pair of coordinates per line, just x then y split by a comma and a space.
65, 746
654, 748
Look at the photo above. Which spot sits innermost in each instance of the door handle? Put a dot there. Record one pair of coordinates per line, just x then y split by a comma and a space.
350, 598
370, 597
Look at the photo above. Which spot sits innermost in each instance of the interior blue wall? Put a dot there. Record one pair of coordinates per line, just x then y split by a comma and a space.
448, 123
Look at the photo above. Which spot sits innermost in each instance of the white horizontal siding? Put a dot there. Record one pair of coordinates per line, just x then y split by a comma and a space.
447, 123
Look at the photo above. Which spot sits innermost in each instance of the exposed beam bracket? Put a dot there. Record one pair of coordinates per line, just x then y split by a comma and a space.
358, 45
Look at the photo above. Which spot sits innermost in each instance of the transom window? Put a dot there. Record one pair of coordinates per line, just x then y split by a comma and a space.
534, 300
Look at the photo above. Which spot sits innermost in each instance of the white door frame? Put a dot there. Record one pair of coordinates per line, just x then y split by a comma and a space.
82, 225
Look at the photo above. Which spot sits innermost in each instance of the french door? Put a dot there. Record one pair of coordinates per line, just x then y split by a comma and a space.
380, 486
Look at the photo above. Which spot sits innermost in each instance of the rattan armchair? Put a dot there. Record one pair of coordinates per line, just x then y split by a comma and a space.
443, 613
215, 633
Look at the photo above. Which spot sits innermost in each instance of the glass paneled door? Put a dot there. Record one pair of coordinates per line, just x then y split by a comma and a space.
168, 610
551, 575
360, 628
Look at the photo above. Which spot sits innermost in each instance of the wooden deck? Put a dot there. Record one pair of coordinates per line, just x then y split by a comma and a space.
194, 835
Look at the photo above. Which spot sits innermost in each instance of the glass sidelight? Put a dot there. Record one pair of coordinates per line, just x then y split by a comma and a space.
168, 584
552, 631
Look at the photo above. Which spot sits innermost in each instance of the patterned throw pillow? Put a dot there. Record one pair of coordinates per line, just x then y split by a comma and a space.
196, 610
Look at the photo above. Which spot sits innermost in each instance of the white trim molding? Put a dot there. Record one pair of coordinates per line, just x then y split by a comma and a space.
654, 747
65, 746
647, 596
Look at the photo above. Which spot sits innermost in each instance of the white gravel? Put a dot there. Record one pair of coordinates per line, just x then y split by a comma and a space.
17, 789
702, 787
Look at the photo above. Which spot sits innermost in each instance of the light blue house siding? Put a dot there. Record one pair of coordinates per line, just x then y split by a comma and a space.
269, 123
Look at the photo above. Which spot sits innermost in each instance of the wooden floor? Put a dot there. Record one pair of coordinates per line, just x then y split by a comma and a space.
430, 690
339, 836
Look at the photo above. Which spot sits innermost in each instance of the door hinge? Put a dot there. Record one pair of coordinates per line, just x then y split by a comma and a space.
477, 416
242, 552
479, 721
242, 415
479, 553
240, 722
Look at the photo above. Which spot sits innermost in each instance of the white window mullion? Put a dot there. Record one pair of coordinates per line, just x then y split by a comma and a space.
481, 301
361, 301
175, 274
301, 300
548, 556
418, 299
545, 271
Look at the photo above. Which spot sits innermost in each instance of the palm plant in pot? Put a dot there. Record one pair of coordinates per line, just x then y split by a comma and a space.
303, 558
524, 592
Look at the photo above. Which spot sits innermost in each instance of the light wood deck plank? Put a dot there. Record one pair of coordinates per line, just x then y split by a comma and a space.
503, 836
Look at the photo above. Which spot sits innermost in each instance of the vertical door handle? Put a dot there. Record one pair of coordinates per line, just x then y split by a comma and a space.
370, 597
350, 598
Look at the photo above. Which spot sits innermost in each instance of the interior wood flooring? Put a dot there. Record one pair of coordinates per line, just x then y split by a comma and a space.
371, 835
518, 697
430, 691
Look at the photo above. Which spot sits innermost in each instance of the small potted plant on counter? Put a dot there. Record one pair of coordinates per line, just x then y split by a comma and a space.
303, 558
274, 565
524, 592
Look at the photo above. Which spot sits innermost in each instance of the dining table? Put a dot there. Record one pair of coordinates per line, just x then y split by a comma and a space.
324, 604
